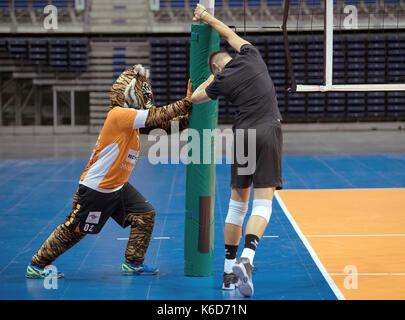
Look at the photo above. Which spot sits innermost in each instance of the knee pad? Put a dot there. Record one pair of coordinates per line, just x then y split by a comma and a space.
236, 212
262, 208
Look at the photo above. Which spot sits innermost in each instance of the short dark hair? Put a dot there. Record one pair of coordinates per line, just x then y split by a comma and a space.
213, 55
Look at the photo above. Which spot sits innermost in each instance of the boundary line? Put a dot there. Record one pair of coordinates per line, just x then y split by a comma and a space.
311, 251
353, 235
368, 274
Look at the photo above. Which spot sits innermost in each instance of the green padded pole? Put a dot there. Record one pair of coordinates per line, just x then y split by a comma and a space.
200, 180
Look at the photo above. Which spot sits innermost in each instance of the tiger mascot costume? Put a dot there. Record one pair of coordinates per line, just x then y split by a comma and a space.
104, 190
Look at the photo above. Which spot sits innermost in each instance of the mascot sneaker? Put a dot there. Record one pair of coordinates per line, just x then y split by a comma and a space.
128, 269
38, 273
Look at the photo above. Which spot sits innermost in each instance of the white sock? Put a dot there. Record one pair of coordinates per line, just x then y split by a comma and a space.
228, 265
248, 253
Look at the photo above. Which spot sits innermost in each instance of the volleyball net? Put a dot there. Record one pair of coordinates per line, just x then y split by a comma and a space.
350, 45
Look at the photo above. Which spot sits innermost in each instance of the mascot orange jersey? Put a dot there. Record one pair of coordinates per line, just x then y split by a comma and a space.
116, 150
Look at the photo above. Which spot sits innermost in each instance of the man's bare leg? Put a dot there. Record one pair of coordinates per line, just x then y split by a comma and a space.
257, 223
238, 207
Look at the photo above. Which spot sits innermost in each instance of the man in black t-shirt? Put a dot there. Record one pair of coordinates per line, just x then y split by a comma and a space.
245, 82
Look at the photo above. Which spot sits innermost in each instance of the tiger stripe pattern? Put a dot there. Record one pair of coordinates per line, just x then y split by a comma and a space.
61, 240
141, 232
161, 117
182, 123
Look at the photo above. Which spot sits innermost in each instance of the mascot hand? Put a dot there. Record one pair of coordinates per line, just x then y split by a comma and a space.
189, 90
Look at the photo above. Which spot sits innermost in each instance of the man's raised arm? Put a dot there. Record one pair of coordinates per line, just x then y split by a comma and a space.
201, 14
199, 95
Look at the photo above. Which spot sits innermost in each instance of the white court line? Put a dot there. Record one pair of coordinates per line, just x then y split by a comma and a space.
270, 236
353, 235
155, 238
348, 189
311, 251
368, 274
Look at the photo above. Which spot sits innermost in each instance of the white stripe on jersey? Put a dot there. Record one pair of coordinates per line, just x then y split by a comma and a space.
100, 168
140, 119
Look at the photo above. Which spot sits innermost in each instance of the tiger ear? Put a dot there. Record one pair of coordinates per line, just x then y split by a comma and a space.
140, 69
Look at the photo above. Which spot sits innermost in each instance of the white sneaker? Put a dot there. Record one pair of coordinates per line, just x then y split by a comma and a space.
243, 270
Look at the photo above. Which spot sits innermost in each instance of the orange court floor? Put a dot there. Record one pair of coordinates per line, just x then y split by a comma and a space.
358, 236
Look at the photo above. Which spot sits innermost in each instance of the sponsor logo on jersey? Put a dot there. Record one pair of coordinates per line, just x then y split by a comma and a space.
93, 217
132, 156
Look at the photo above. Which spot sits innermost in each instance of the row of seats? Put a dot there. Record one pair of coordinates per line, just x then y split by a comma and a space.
368, 58
35, 4
181, 4
59, 54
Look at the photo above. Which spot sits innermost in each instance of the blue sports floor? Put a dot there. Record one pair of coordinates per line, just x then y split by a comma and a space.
36, 196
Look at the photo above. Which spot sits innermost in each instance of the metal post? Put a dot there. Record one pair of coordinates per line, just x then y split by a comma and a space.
209, 5
55, 109
1, 101
37, 106
72, 108
17, 104
328, 51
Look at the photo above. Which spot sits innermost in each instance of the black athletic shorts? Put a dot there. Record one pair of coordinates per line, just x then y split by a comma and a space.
263, 167
91, 209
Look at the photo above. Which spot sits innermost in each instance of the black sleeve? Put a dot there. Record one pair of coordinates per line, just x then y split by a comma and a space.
248, 49
213, 90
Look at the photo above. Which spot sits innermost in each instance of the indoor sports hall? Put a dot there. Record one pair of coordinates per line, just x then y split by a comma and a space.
337, 228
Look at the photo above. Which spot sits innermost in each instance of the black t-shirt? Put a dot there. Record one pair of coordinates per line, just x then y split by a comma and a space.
246, 83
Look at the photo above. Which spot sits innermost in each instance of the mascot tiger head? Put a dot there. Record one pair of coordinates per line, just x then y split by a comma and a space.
132, 89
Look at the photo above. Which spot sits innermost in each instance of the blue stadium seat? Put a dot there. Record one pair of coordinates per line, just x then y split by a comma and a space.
4, 4
175, 49
254, 3
21, 4
391, 2
396, 103
314, 3
159, 76
176, 76
60, 3
38, 51
162, 4
370, 2
39, 4
158, 56
274, 3
352, 2
219, 3
58, 54
177, 4
158, 63
120, 7
18, 48
78, 49
235, 3
3, 45
376, 103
